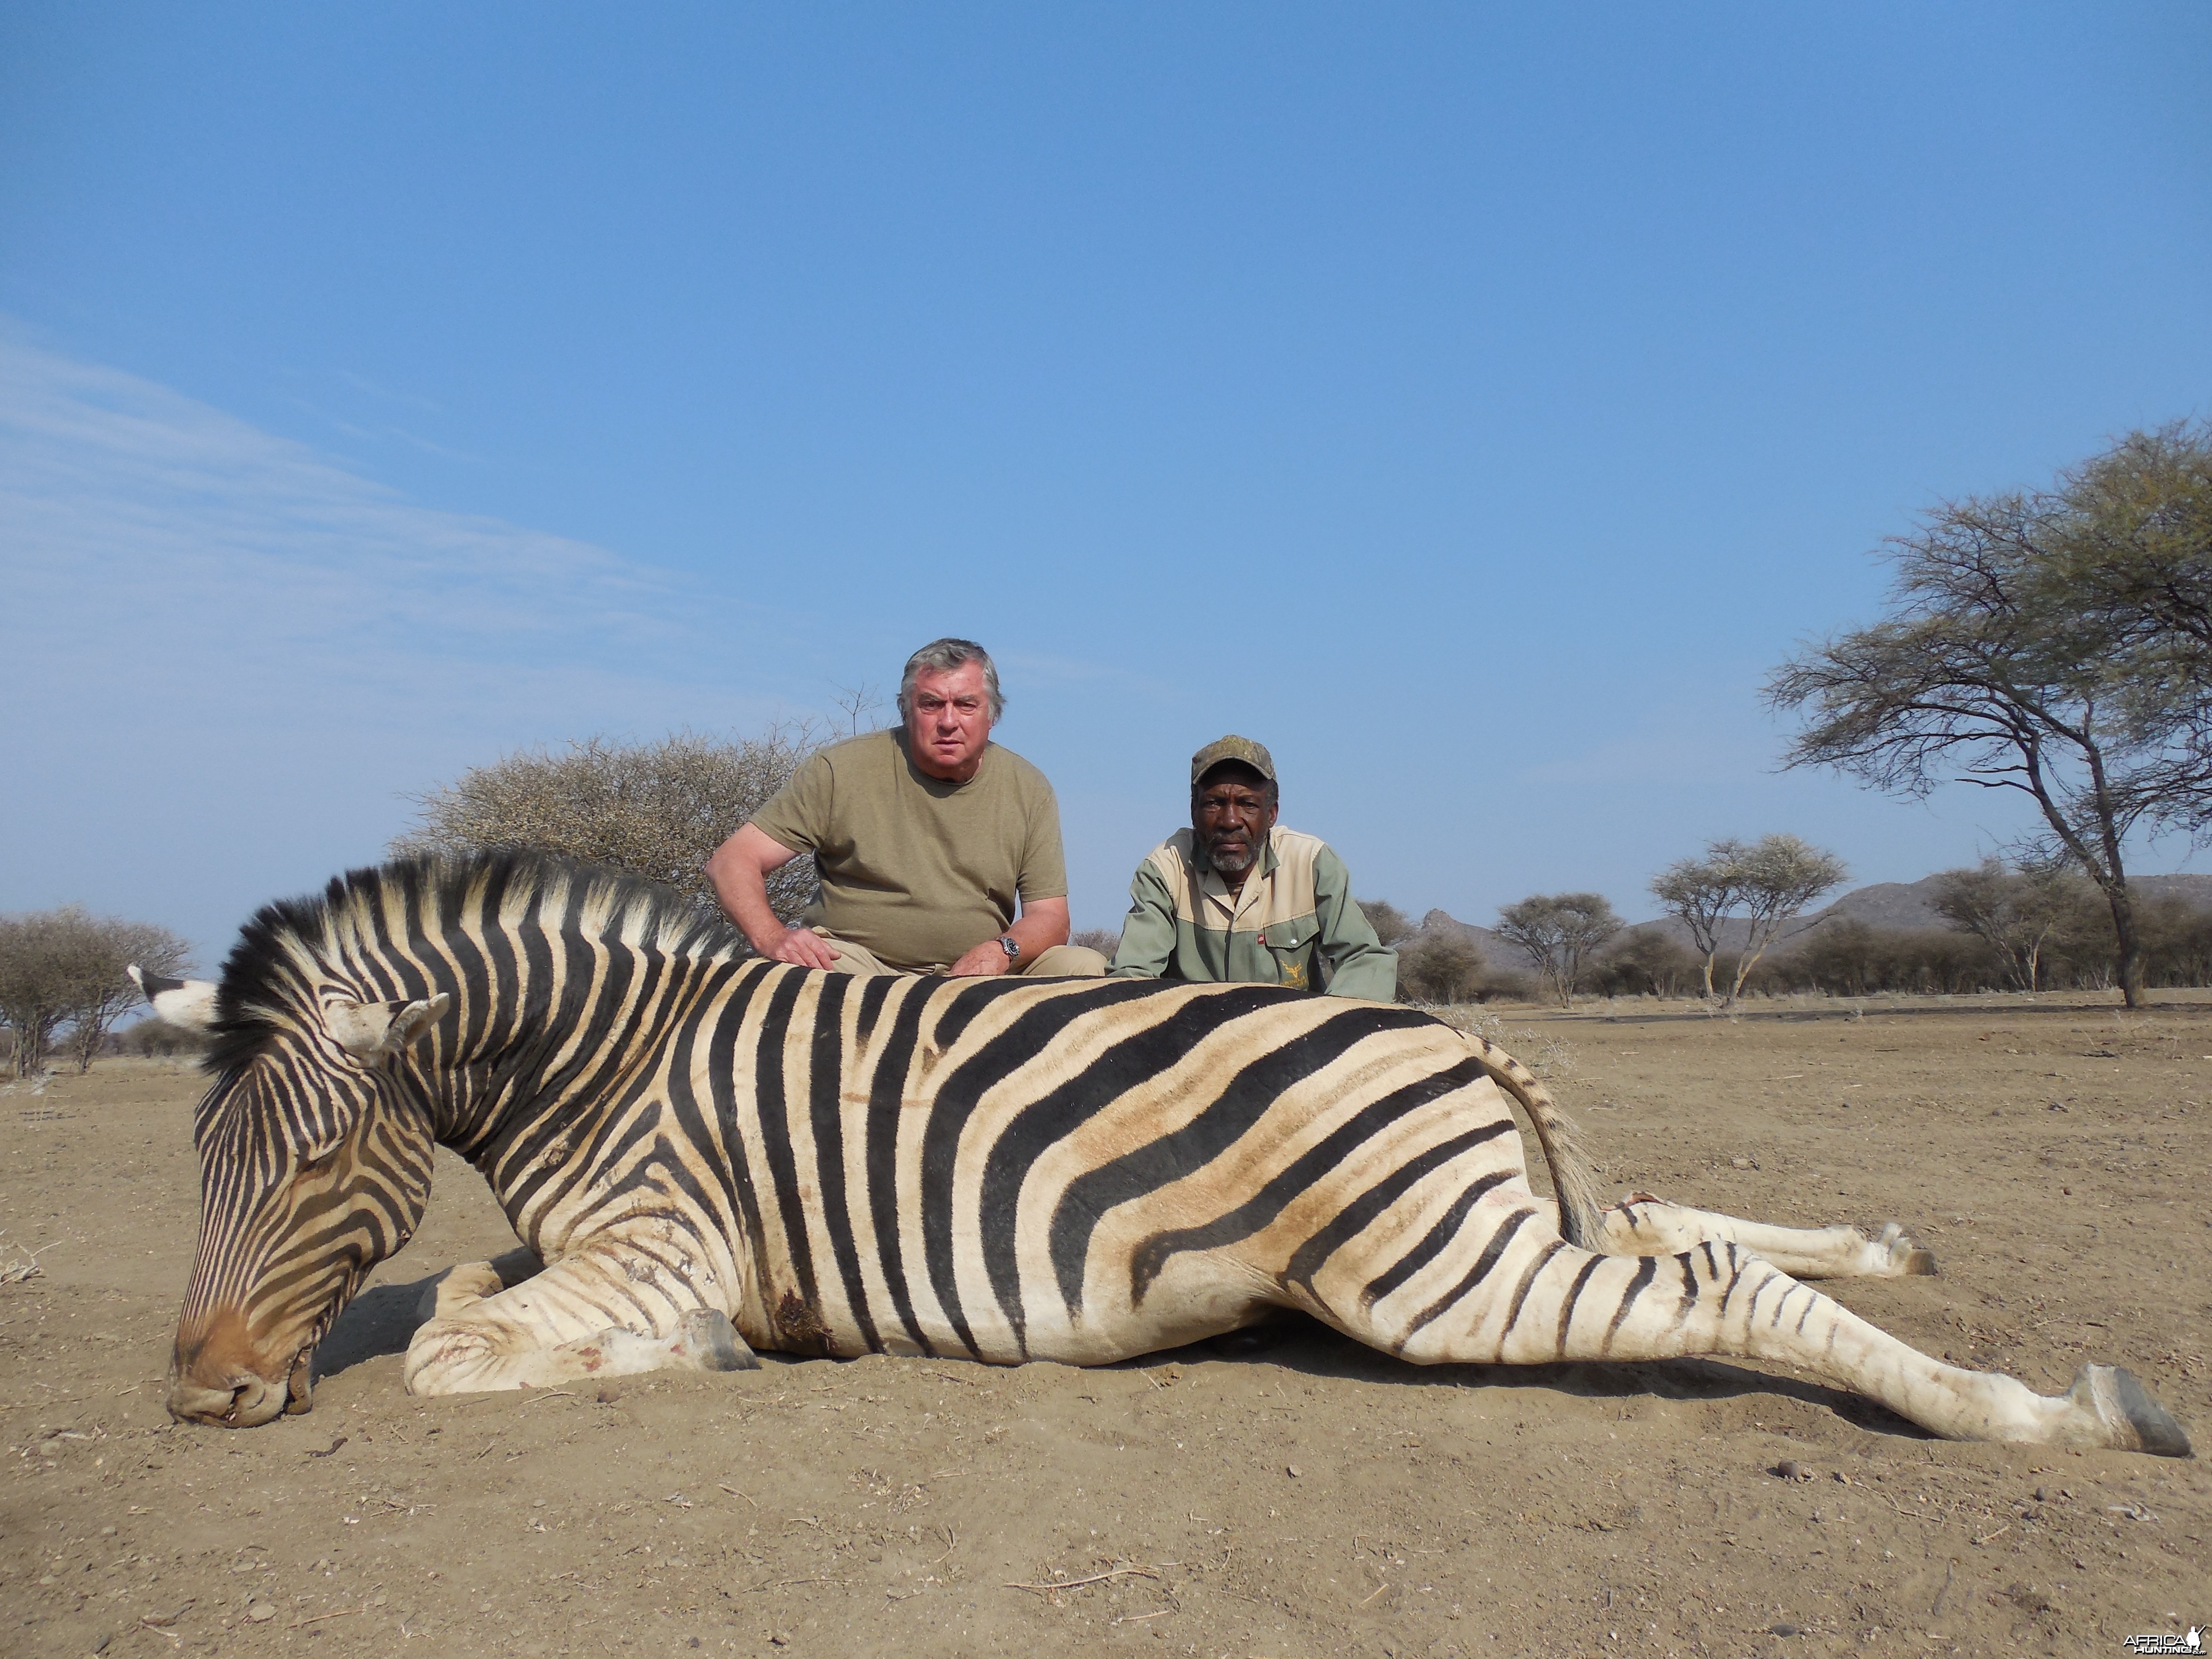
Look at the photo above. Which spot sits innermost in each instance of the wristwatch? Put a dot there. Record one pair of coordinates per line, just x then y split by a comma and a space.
1013, 950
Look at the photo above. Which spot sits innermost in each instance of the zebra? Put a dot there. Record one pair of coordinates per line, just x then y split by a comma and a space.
705, 1154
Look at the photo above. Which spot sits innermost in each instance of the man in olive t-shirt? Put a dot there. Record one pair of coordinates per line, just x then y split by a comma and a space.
927, 838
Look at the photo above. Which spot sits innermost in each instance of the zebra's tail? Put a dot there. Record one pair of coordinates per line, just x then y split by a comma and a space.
1573, 1181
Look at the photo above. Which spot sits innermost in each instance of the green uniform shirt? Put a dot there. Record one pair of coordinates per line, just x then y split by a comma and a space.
1293, 923
915, 869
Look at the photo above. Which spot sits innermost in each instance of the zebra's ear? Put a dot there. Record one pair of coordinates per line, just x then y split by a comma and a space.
188, 1004
369, 1030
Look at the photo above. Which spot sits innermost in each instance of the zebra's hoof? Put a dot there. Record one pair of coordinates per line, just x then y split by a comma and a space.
1905, 1259
712, 1343
2131, 1416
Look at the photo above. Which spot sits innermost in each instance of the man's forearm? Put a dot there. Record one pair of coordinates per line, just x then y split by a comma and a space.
745, 903
1148, 932
1359, 965
741, 887
1036, 935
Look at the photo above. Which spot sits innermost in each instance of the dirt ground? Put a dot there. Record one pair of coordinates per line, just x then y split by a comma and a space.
1310, 1499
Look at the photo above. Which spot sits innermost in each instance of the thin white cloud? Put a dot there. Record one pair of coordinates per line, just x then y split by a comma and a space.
104, 476
218, 638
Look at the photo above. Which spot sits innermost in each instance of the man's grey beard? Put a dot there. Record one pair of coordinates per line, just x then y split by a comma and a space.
1231, 858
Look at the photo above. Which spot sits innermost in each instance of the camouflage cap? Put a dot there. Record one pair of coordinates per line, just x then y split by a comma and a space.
1243, 750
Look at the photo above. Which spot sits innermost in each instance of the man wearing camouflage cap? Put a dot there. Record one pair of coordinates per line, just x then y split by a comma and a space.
1237, 897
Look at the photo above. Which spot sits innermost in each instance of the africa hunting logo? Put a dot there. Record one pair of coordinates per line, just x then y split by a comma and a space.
2193, 1641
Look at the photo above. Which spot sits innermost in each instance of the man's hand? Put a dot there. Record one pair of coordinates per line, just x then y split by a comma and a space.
1043, 925
985, 959
806, 947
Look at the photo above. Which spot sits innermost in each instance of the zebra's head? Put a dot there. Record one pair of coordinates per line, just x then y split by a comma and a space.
315, 1145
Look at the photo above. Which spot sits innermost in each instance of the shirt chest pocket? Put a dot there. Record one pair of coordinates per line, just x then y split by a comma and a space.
1290, 944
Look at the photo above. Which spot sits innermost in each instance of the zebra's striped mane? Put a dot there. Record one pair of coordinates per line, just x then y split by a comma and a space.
291, 943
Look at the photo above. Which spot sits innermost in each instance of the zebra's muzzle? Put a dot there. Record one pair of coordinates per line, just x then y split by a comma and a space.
247, 1402
246, 1399
223, 1376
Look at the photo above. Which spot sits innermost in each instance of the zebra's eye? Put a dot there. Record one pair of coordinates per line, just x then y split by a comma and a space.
317, 1162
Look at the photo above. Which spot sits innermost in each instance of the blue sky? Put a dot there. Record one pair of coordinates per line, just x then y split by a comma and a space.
1470, 404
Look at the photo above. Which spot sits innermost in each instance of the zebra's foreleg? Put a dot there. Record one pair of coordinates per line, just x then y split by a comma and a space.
1641, 1224
1541, 1299
583, 1317
472, 1281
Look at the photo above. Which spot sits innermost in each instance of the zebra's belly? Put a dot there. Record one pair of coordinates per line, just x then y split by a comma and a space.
1196, 1297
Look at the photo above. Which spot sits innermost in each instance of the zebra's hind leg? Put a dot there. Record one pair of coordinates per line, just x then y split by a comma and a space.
1529, 1298
1641, 1224
486, 1331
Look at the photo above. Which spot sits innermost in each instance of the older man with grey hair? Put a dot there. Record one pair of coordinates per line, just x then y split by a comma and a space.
927, 838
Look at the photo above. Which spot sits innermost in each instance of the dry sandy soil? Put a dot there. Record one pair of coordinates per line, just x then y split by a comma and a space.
1310, 1499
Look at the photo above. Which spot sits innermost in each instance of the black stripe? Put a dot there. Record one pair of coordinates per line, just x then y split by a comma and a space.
1775, 1323
824, 1084
1646, 1268
1434, 1241
1574, 1295
874, 989
1035, 1128
1689, 1260
954, 1098
1260, 1211
704, 1001
1528, 1282
886, 1100
771, 1107
699, 1130
956, 1013
498, 1147
729, 1018
502, 985
1484, 1264
1231, 1115
1735, 1273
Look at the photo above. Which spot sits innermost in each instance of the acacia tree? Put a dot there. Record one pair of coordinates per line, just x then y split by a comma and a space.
1560, 933
2017, 913
1440, 968
656, 810
1647, 962
69, 967
1761, 886
1701, 893
1776, 877
2134, 564
1390, 924
101, 988
2053, 642
35, 981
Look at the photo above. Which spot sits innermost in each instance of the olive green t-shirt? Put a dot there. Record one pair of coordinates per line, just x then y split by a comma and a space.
914, 868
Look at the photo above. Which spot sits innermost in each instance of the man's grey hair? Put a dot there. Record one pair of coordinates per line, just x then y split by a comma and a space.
940, 655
